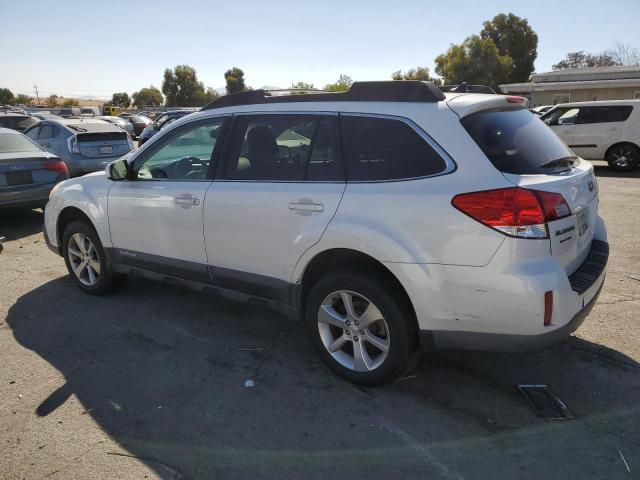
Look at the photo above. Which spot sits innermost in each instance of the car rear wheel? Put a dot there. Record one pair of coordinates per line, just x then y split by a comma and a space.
86, 260
623, 157
360, 329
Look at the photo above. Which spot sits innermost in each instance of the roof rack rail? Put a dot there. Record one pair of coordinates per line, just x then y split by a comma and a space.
383, 91
465, 87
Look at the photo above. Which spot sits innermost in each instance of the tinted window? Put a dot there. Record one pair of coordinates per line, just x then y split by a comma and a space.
17, 122
47, 131
386, 149
11, 142
284, 147
604, 114
32, 133
516, 141
560, 116
184, 155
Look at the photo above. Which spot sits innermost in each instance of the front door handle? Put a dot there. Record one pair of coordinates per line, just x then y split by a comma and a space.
186, 199
306, 207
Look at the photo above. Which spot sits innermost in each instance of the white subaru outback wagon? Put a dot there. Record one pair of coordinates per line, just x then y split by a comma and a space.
393, 217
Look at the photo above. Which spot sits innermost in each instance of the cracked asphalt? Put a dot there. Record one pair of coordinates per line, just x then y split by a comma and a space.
150, 383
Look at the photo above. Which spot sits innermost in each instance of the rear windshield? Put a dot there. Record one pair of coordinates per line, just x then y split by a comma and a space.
140, 119
17, 122
12, 142
517, 141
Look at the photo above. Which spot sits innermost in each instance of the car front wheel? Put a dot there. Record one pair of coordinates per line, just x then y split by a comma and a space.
86, 260
360, 328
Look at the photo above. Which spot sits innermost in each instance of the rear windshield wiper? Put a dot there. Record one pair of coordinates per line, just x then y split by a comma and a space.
560, 162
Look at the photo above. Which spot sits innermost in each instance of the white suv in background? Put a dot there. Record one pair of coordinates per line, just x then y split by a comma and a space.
607, 130
395, 218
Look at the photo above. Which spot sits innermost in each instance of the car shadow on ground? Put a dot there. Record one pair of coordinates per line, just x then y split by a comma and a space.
20, 223
162, 370
602, 170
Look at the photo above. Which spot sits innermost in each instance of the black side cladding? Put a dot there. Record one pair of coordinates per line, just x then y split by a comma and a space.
592, 267
383, 91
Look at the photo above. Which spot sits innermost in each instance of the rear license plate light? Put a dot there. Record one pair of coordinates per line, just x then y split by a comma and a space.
23, 177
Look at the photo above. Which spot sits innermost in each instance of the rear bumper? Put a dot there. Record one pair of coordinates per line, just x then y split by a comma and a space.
28, 196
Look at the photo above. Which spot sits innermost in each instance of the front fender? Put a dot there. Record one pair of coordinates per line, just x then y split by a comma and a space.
88, 194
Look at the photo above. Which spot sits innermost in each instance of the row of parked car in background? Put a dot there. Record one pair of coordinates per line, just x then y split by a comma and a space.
87, 139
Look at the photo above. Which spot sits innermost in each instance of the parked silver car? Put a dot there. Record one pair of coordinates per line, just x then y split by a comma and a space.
27, 172
86, 145
123, 123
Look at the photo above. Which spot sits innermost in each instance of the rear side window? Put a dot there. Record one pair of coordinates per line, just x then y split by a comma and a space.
517, 141
386, 149
47, 131
604, 114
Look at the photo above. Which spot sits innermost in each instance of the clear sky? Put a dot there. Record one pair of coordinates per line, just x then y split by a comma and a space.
93, 47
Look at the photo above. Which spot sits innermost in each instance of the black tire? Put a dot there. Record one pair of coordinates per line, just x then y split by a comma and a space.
396, 312
629, 152
107, 279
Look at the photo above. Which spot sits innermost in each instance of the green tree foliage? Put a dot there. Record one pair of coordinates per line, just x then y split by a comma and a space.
235, 80
22, 99
121, 100
6, 96
210, 95
71, 102
418, 73
585, 60
516, 39
52, 101
342, 85
181, 87
476, 60
149, 96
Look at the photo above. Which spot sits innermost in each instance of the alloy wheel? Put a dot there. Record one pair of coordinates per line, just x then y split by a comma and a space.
623, 157
84, 260
353, 331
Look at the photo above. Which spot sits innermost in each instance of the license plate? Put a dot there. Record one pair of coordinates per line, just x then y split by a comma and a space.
19, 178
583, 222
106, 150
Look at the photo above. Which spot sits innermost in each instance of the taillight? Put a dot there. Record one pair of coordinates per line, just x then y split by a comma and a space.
517, 212
56, 166
514, 99
72, 144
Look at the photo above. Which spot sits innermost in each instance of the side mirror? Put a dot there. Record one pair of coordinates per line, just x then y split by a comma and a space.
118, 170
156, 127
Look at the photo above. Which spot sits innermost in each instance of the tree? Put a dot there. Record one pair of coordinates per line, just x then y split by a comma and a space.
514, 38
302, 86
210, 95
585, 60
71, 102
52, 101
476, 60
342, 85
121, 99
181, 87
235, 80
6, 96
418, 73
22, 99
624, 54
149, 96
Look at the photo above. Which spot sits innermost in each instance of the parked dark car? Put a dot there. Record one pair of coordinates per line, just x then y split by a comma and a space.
27, 172
16, 121
139, 122
166, 118
68, 112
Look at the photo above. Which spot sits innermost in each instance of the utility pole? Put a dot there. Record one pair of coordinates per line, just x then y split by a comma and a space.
35, 87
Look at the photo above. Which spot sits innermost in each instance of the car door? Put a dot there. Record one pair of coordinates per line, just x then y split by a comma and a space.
562, 121
282, 183
597, 128
47, 137
155, 219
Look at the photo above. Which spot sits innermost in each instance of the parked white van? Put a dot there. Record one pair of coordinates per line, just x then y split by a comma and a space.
608, 130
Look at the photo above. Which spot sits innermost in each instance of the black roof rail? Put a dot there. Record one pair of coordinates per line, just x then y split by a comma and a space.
383, 91
465, 87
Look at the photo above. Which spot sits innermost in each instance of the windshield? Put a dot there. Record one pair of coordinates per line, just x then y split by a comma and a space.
517, 141
12, 143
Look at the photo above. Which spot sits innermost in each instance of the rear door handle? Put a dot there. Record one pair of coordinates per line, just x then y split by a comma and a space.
186, 199
306, 207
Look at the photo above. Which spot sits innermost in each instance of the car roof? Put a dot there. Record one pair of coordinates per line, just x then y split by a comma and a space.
89, 125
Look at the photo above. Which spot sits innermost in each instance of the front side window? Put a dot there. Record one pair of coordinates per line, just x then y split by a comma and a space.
561, 116
386, 149
183, 155
285, 147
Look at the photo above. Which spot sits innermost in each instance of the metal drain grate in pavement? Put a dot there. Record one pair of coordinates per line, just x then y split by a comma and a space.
545, 403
